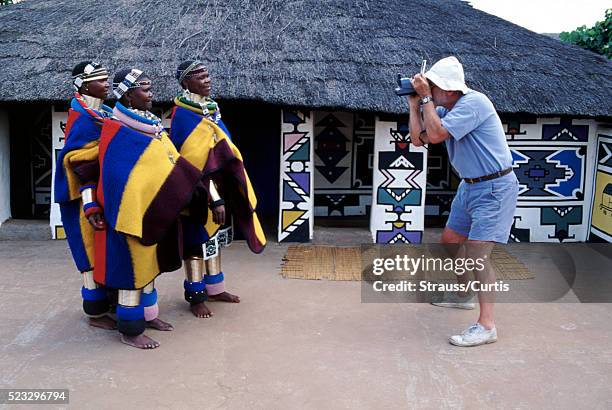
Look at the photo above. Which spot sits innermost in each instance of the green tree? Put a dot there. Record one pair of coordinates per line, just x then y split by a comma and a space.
596, 38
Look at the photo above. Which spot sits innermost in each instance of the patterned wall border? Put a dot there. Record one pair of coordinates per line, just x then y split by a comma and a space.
296, 213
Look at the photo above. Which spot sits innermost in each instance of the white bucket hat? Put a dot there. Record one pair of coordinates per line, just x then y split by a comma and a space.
447, 74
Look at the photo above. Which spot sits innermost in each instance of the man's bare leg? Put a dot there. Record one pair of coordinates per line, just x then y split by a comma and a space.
483, 331
486, 299
455, 239
454, 244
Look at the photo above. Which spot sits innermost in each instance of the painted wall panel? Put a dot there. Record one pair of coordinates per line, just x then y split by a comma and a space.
296, 213
553, 160
601, 213
398, 199
343, 159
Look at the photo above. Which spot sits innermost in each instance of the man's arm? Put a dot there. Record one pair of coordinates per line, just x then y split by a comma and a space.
436, 133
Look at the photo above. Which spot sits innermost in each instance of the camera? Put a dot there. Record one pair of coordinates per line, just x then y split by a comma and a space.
405, 86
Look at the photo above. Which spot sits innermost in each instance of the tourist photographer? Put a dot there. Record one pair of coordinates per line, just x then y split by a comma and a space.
445, 110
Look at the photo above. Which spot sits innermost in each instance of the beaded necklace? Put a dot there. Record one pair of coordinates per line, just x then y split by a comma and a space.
147, 123
208, 107
98, 113
146, 114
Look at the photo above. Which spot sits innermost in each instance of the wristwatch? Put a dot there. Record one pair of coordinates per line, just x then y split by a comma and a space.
426, 99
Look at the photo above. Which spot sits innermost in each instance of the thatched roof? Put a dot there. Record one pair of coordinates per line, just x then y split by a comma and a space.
313, 53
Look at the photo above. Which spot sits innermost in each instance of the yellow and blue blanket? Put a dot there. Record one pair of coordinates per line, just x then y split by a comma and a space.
208, 147
81, 145
144, 185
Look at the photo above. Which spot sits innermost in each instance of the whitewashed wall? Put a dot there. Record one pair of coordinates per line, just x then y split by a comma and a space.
58, 124
5, 168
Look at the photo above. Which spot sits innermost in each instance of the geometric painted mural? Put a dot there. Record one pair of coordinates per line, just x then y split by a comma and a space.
398, 202
601, 214
296, 180
554, 224
546, 172
565, 131
553, 160
343, 152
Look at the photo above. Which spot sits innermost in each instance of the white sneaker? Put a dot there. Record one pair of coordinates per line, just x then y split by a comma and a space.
453, 300
474, 335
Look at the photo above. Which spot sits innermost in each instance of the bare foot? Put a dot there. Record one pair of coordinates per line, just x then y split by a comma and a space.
159, 324
201, 310
104, 322
225, 297
141, 341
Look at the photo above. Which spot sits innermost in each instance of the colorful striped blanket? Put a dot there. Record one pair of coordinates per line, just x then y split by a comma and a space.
144, 185
208, 147
81, 145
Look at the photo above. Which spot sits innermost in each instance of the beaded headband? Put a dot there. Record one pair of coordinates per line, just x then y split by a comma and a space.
129, 82
92, 71
190, 70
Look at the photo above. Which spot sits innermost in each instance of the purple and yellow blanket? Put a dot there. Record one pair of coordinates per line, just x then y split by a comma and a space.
207, 146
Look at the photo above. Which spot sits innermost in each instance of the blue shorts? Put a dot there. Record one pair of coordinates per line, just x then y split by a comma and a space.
484, 211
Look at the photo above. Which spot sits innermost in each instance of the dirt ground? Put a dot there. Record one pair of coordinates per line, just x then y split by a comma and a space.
293, 344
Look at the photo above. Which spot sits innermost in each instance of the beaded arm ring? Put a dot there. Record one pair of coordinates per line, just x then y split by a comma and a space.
88, 194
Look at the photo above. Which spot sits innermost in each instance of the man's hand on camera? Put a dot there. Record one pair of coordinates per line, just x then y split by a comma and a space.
421, 85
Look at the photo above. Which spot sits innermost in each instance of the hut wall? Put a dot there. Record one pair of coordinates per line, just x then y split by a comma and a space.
343, 160
58, 126
398, 198
601, 211
554, 162
296, 213
5, 167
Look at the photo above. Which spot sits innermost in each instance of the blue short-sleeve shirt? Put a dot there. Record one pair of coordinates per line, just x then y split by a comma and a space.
477, 145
